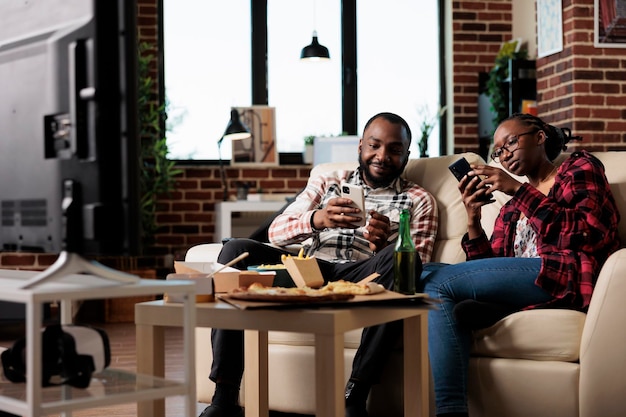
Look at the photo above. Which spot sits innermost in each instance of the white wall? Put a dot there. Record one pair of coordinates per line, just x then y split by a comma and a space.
525, 24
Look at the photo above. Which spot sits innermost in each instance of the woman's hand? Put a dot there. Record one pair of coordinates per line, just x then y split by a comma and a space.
477, 188
495, 178
473, 199
377, 231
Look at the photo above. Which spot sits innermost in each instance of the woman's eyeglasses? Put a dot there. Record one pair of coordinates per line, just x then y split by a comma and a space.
511, 145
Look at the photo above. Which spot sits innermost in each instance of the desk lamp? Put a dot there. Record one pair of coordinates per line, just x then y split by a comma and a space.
235, 129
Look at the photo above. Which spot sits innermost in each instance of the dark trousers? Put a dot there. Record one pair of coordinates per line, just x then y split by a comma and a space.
376, 342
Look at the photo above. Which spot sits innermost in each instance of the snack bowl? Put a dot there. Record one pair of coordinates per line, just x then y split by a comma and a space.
282, 278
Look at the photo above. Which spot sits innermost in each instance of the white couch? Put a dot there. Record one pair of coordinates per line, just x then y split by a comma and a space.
553, 363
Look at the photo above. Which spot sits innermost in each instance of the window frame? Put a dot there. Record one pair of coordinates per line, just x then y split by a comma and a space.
349, 81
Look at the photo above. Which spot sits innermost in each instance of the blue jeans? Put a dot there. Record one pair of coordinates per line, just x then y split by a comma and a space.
509, 281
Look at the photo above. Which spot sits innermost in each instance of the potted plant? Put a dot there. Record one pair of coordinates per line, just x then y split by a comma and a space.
498, 75
307, 156
158, 172
426, 126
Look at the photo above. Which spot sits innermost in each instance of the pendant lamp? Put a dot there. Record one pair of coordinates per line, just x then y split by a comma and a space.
315, 51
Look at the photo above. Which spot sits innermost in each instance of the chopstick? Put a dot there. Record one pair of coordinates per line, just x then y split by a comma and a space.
369, 278
230, 263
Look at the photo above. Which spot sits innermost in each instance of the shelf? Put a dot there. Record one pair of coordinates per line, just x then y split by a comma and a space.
241, 218
110, 386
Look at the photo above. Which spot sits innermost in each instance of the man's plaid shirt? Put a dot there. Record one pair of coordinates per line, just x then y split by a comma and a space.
294, 224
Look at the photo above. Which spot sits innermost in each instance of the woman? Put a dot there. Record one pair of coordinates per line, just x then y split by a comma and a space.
548, 245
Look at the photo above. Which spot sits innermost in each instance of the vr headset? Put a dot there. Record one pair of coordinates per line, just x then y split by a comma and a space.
70, 355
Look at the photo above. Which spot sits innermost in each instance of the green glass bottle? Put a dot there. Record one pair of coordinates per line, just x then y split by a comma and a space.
404, 257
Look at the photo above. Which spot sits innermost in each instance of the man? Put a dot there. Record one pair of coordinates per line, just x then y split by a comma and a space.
343, 250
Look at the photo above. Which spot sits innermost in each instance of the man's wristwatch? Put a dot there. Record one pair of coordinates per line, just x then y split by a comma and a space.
315, 229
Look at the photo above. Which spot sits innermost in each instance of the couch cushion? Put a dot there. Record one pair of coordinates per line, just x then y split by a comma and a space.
433, 174
542, 335
616, 174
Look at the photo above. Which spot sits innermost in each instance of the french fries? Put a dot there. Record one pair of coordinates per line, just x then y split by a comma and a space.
270, 266
300, 256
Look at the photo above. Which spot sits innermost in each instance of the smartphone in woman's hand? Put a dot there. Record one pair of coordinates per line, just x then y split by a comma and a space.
460, 168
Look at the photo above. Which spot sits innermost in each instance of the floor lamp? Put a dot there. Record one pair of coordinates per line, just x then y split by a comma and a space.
235, 129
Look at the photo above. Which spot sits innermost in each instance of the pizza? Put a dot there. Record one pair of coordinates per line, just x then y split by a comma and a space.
257, 288
347, 287
259, 292
333, 291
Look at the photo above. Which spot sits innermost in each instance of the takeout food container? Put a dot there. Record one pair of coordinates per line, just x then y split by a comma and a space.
282, 277
227, 279
204, 288
305, 272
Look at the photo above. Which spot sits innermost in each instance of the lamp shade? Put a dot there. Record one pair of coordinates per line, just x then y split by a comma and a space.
236, 129
314, 51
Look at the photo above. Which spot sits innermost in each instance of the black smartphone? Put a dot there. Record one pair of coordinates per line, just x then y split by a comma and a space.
459, 169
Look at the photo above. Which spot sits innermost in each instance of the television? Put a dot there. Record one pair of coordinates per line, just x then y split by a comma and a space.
69, 147
68, 125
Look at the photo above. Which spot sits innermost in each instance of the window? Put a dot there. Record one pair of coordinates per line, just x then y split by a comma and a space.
398, 63
208, 68
307, 95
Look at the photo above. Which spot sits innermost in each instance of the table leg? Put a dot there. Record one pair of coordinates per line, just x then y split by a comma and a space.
256, 374
416, 358
329, 375
150, 352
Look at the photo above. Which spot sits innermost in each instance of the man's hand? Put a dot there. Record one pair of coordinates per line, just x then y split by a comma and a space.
337, 213
377, 231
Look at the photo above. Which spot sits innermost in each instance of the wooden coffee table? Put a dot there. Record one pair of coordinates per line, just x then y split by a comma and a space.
328, 327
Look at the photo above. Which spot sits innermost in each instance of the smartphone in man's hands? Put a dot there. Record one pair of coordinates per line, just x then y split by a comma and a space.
460, 168
355, 193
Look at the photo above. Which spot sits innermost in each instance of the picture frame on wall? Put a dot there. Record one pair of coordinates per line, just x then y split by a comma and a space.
549, 27
609, 23
260, 148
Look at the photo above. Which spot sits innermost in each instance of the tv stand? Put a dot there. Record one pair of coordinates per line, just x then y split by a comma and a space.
71, 263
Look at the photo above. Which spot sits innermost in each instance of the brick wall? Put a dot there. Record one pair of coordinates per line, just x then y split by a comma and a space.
584, 87
187, 217
479, 29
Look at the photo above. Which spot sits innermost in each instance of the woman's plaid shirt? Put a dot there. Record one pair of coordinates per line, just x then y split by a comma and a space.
576, 226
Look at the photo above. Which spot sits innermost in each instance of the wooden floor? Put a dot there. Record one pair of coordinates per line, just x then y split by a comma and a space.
122, 341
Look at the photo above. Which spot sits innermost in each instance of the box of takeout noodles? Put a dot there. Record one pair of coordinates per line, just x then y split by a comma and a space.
227, 279
304, 271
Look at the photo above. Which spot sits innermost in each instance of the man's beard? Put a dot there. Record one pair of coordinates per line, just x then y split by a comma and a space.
377, 182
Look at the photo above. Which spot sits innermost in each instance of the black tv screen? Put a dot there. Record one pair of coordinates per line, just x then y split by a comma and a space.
68, 136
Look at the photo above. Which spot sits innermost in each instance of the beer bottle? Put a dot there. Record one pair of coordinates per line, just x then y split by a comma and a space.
404, 257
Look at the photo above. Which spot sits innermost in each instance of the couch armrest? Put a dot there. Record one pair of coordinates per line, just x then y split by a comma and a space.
205, 252
602, 365
208, 252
